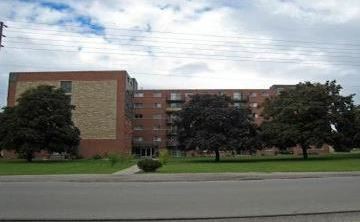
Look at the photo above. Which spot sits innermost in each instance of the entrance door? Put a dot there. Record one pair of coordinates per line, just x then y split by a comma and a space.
147, 152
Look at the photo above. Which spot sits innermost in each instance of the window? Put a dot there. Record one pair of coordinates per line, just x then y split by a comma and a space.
175, 105
157, 116
253, 94
157, 105
138, 128
237, 104
157, 94
138, 139
279, 90
265, 94
157, 127
157, 139
138, 105
175, 96
66, 86
188, 96
254, 105
138, 94
138, 116
236, 95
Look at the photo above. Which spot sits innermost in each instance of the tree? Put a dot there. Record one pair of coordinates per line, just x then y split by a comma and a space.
357, 124
309, 114
41, 120
209, 122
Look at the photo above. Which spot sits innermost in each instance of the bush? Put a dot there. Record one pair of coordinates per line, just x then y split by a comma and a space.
149, 165
97, 157
164, 156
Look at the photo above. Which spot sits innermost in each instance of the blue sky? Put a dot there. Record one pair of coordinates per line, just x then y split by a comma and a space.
206, 44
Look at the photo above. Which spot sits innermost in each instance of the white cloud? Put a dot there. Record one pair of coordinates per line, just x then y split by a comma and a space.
255, 27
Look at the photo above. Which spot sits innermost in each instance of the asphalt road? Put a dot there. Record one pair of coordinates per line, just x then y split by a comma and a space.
116, 200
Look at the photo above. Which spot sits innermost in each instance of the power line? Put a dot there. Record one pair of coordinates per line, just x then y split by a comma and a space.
187, 43
243, 58
167, 47
235, 35
192, 40
159, 37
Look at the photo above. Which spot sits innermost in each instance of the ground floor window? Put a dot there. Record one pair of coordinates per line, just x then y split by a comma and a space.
146, 151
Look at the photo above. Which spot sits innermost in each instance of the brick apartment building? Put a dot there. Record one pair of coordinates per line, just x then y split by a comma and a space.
103, 101
115, 117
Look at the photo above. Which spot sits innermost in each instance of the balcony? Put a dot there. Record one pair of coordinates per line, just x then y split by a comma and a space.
145, 143
171, 132
172, 143
240, 98
170, 121
172, 109
175, 99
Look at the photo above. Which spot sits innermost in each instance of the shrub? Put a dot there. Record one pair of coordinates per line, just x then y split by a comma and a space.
114, 159
97, 157
164, 156
149, 165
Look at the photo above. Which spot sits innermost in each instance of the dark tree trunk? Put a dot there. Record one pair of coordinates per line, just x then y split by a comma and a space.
29, 156
217, 155
304, 151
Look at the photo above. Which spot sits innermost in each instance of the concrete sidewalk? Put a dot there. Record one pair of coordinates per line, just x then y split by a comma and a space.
128, 171
128, 176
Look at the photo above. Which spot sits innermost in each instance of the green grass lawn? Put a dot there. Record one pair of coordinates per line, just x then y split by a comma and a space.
21, 167
331, 162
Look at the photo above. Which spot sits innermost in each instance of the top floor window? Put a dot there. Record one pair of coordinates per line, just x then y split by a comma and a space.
139, 94
188, 95
175, 96
157, 94
66, 86
264, 93
236, 95
253, 94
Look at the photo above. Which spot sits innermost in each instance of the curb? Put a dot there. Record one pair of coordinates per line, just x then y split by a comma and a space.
158, 177
199, 218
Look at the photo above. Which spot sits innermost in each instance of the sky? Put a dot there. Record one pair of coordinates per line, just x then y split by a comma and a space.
187, 43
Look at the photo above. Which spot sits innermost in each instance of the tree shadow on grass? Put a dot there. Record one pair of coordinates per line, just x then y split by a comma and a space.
256, 159
22, 161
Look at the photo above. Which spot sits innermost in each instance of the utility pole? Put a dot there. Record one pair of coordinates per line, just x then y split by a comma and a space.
2, 26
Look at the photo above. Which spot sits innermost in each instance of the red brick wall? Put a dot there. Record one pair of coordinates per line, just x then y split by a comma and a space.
148, 110
88, 147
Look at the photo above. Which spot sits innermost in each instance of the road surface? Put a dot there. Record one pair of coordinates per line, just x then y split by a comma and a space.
144, 200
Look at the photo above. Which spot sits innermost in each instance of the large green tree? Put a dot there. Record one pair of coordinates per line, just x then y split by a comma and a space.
211, 122
41, 120
309, 114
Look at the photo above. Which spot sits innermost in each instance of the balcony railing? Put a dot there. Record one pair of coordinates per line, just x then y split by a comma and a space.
172, 143
172, 99
146, 143
240, 98
173, 109
172, 132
